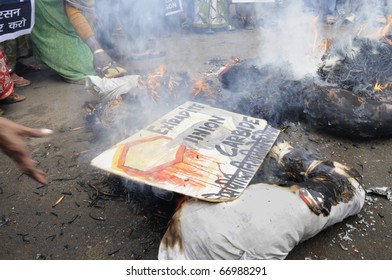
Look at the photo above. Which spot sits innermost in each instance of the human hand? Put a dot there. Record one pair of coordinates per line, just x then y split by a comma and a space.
13, 144
100, 60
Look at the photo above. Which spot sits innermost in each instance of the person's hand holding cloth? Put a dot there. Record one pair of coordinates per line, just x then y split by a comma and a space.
82, 23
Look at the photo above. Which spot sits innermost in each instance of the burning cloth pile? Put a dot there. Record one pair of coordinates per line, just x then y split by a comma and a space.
139, 99
268, 220
209, 156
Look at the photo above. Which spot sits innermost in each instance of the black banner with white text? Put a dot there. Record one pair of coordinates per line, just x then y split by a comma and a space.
16, 18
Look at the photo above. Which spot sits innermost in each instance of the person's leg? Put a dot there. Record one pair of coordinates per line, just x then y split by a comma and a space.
230, 26
328, 8
136, 18
6, 84
10, 49
106, 22
251, 16
246, 14
310, 6
7, 94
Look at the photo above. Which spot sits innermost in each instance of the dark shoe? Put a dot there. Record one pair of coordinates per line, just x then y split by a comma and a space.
250, 23
23, 69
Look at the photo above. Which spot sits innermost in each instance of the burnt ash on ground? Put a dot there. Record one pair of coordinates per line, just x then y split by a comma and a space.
370, 64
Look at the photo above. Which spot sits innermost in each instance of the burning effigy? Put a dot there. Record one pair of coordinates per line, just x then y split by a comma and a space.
209, 156
268, 220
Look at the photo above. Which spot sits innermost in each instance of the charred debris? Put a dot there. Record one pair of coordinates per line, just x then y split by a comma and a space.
352, 98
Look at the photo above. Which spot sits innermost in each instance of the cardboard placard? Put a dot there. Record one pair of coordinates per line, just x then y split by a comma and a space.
16, 18
173, 7
196, 150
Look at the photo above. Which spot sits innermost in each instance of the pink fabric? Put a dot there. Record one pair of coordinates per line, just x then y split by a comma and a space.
6, 83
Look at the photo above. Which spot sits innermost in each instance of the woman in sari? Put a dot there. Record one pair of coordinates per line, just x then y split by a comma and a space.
15, 50
84, 15
7, 94
63, 39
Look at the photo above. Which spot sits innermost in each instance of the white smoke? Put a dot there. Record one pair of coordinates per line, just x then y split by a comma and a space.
290, 41
296, 37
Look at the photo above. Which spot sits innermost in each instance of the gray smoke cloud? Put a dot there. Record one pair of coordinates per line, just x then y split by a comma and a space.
290, 41
298, 32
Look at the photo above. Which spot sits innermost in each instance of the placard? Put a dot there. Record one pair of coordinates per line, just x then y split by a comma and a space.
195, 150
16, 18
173, 7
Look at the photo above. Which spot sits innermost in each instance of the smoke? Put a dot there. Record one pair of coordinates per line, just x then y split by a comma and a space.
301, 54
290, 53
290, 50
139, 21
290, 40
295, 44
295, 39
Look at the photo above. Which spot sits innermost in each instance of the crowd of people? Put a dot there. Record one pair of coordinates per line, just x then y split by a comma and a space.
78, 38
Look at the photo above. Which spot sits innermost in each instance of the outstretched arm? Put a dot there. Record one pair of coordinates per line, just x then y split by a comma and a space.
13, 144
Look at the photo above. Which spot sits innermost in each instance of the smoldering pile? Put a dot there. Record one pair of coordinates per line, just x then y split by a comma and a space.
129, 103
352, 98
263, 91
367, 71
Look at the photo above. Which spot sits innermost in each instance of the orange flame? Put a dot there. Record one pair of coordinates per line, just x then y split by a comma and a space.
226, 67
325, 45
153, 81
385, 30
380, 87
200, 86
382, 33
318, 43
